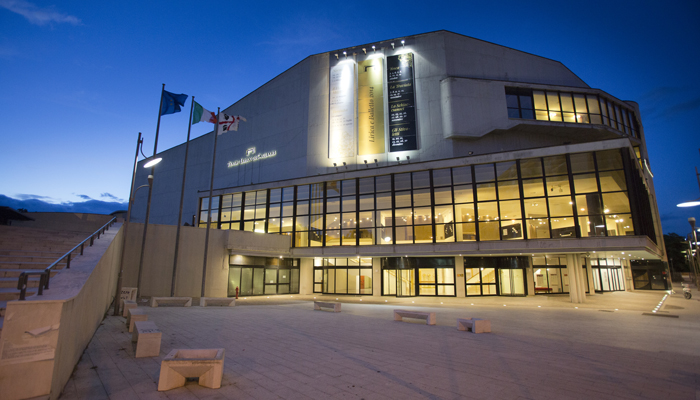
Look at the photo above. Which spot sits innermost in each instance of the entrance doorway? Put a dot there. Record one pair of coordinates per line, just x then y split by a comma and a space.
274, 277
495, 276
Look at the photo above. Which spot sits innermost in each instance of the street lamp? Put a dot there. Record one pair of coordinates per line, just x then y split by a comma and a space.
132, 196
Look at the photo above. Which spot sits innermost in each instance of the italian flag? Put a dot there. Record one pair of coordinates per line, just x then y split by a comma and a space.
201, 114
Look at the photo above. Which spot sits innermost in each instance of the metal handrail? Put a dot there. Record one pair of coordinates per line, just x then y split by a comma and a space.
45, 275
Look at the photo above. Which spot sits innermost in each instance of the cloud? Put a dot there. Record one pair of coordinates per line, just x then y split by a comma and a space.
32, 197
110, 196
683, 107
36, 15
90, 206
84, 196
669, 102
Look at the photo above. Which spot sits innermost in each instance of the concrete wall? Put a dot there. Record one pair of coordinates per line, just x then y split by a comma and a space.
157, 270
61, 322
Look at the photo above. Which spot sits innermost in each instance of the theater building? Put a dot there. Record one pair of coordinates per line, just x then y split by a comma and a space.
428, 165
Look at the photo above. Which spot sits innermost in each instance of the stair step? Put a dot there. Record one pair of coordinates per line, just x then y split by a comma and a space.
29, 265
32, 282
14, 273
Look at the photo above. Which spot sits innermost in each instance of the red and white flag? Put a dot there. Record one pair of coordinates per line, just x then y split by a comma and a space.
228, 123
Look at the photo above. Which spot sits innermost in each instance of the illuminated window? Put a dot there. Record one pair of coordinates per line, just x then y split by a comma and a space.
575, 108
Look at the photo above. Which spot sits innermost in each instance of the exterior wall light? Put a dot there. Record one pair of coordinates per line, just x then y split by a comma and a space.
374, 48
403, 43
392, 46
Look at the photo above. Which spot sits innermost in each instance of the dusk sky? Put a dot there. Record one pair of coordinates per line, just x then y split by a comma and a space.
80, 79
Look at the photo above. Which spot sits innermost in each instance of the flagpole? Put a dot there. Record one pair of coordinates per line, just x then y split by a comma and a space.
211, 191
150, 193
182, 199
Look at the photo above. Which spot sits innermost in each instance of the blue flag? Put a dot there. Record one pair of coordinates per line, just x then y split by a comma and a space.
172, 102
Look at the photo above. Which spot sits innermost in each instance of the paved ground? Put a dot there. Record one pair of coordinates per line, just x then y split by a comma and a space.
541, 347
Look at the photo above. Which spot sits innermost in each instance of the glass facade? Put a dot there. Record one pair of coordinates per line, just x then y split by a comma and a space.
577, 108
563, 196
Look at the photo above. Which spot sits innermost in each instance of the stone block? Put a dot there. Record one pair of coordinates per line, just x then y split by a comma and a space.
147, 337
321, 304
127, 305
476, 325
180, 364
135, 314
128, 293
171, 301
429, 317
217, 301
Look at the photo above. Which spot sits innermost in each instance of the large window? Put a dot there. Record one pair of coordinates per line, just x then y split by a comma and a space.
558, 197
577, 108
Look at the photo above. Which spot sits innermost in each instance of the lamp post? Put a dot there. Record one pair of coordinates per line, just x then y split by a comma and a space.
132, 196
696, 257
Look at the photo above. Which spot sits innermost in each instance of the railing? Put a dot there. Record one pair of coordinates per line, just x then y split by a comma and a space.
45, 275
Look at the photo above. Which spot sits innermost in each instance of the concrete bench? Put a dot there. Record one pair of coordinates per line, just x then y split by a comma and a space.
171, 301
429, 317
322, 304
135, 314
147, 337
180, 364
217, 301
127, 305
476, 325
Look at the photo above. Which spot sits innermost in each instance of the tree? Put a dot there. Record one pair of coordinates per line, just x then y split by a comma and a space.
676, 249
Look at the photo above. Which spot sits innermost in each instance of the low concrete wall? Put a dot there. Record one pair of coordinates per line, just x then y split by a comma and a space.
44, 337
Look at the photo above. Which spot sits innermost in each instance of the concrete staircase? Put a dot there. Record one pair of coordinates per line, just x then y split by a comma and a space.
24, 248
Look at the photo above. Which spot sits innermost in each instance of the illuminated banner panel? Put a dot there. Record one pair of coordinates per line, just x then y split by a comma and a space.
341, 118
370, 104
402, 113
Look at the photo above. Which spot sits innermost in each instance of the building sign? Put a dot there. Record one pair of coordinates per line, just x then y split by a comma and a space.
370, 105
341, 132
251, 156
402, 114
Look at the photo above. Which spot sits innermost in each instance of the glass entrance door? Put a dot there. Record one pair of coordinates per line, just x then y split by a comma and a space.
512, 282
405, 282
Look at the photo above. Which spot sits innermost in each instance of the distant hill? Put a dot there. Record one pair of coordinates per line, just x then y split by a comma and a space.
89, 206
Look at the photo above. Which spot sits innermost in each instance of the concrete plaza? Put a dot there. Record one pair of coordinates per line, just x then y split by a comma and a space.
541, 347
